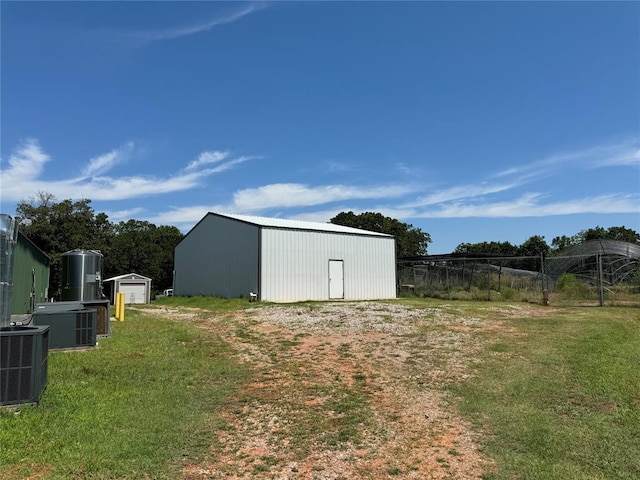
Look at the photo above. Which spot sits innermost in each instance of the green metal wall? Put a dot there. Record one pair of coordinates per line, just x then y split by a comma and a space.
30, 276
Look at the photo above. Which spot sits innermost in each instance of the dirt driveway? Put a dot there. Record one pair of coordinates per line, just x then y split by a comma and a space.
351, 390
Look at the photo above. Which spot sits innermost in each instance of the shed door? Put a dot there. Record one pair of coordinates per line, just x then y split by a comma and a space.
336, 279
133, 292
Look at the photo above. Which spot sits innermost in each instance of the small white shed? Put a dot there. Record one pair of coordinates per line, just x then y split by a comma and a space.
136, 288
282, 260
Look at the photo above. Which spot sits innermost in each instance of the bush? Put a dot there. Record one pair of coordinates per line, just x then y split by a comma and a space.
572, 287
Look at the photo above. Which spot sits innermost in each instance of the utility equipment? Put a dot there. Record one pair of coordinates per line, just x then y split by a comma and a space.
81, 275
82, 288
69, 328
24, 351
102, 307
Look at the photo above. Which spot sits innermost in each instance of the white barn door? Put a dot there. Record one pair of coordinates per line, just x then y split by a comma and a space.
336, 279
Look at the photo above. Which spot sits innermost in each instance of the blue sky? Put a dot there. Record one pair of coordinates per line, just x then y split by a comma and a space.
474, 121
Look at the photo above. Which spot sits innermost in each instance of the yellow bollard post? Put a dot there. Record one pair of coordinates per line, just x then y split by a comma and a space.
120, 306
117, 306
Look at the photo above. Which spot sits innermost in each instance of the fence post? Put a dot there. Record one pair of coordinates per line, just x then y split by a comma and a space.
448, 284
600, 281
489, 282
473, 269
545, 287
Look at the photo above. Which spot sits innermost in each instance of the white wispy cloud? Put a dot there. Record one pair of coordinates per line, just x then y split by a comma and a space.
24, 176
271, 199
207, 158
185, 217
407, 169
533, 205
622, 153
103, 163
339, 167
490, 198
228, 165
500, 196
282, 195
26, 161
145, 37
497, 196
221, 160
325, 215
461, 192
526, 205
623, 158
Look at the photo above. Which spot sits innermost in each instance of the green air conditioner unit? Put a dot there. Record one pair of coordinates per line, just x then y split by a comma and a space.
24, 353
69, 329
103, 316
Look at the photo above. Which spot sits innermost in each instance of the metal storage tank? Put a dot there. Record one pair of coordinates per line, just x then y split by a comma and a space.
81, 275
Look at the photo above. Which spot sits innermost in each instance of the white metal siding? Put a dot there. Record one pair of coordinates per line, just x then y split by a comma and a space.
295, 265
218, 257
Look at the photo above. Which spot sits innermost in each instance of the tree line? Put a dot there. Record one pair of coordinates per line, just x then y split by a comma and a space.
537, 245
144, 248
128, 247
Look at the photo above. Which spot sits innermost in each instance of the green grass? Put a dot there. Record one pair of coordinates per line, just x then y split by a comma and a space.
564, 401
554, 396
212, 304
137, 406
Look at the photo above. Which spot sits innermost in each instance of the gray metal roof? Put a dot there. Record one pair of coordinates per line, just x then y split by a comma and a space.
298, 224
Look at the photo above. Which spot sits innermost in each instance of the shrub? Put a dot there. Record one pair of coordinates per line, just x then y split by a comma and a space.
572, 287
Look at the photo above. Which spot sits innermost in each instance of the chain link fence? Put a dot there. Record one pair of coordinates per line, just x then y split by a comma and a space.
574, 279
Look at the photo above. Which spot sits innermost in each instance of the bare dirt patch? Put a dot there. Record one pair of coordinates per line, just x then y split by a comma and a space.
346, 390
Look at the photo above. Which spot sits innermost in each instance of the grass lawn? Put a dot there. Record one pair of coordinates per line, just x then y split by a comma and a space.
555, 395
559, 396
135, 407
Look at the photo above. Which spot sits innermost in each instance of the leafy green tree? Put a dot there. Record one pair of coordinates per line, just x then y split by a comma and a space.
167, 237
622, 233
562, 242
534, 247
596, 233
497, 248
410, 241
57, 228
142, 247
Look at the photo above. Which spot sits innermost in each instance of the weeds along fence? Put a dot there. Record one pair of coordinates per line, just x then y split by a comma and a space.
576, 279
